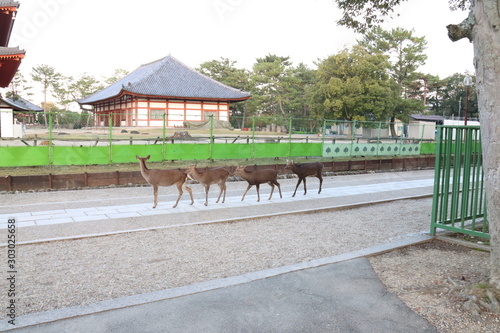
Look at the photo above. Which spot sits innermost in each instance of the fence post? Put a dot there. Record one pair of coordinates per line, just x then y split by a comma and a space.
210, 148
437, 174
163, 149
323, 132
253, 136
378, 137
110, 121
353, 128
51, 148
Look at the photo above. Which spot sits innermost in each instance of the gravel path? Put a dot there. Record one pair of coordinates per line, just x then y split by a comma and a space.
78, 272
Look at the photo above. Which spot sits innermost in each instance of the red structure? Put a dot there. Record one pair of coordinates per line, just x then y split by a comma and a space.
165, 89
10, 57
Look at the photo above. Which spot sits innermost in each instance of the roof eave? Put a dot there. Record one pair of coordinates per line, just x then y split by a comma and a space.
128, 92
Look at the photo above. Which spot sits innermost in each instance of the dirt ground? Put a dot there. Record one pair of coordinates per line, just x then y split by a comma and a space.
443, 282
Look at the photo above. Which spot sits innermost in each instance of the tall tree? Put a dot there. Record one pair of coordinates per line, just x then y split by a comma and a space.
300, 83
482, 28
355, 85
406, 54
49, 78
269, 75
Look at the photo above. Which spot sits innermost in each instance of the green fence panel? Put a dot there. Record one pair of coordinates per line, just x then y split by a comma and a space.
231, 151
336, 150
191, 151
127, 153
459, 202
305, 149
370, 149
80, 155
24, 156
266, 150
427, 148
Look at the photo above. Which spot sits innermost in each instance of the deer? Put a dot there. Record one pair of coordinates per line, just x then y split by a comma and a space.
303, 170
258, 177
164, 178
211, 176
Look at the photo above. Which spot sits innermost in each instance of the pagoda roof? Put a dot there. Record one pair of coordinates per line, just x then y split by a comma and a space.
167, 78
8, 10
20, 104
10, 59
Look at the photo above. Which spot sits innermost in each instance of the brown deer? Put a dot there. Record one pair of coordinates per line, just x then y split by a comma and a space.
303, 170
211, 176
258, 177
164, 178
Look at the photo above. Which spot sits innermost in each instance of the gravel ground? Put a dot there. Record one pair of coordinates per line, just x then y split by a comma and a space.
79, 272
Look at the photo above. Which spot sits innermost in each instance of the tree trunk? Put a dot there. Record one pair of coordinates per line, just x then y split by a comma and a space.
392, 126
486, 38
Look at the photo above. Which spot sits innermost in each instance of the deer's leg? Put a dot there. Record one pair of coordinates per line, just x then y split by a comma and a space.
207, 188
305, 188
225, 190
279, 188
243, 197
320, 182
258, 192
222, 187
272, 189
297, 186
184, 186
155, 195
179, 188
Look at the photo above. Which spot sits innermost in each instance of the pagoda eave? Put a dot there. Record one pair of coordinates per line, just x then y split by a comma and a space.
8, 68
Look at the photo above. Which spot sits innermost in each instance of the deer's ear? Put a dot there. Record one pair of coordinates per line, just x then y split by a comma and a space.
137, 156
147, 157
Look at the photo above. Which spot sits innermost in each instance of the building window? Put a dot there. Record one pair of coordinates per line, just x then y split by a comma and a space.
155, 114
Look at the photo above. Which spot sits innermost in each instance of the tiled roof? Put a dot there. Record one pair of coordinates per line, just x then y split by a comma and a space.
8, 51
9, 4
20, 104
168, 77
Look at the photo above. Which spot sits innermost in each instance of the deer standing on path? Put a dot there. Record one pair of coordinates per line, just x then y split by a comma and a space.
211, 176
303, 170
258, 177
164, 178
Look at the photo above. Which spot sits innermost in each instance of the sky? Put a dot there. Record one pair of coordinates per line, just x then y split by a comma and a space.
96, 37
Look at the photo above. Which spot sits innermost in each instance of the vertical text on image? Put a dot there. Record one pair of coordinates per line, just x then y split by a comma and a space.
11, 271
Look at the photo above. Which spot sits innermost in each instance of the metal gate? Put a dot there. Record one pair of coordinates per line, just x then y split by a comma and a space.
459, 203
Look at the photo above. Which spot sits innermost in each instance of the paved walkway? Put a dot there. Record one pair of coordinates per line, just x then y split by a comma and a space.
91, 213
335, 294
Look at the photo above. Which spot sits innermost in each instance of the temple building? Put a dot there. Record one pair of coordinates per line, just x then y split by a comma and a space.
10, 57
163, 90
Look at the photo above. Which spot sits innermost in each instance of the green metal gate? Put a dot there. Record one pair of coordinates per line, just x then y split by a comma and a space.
459, 203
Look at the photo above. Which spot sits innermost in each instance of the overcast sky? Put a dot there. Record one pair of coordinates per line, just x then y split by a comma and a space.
97, 37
